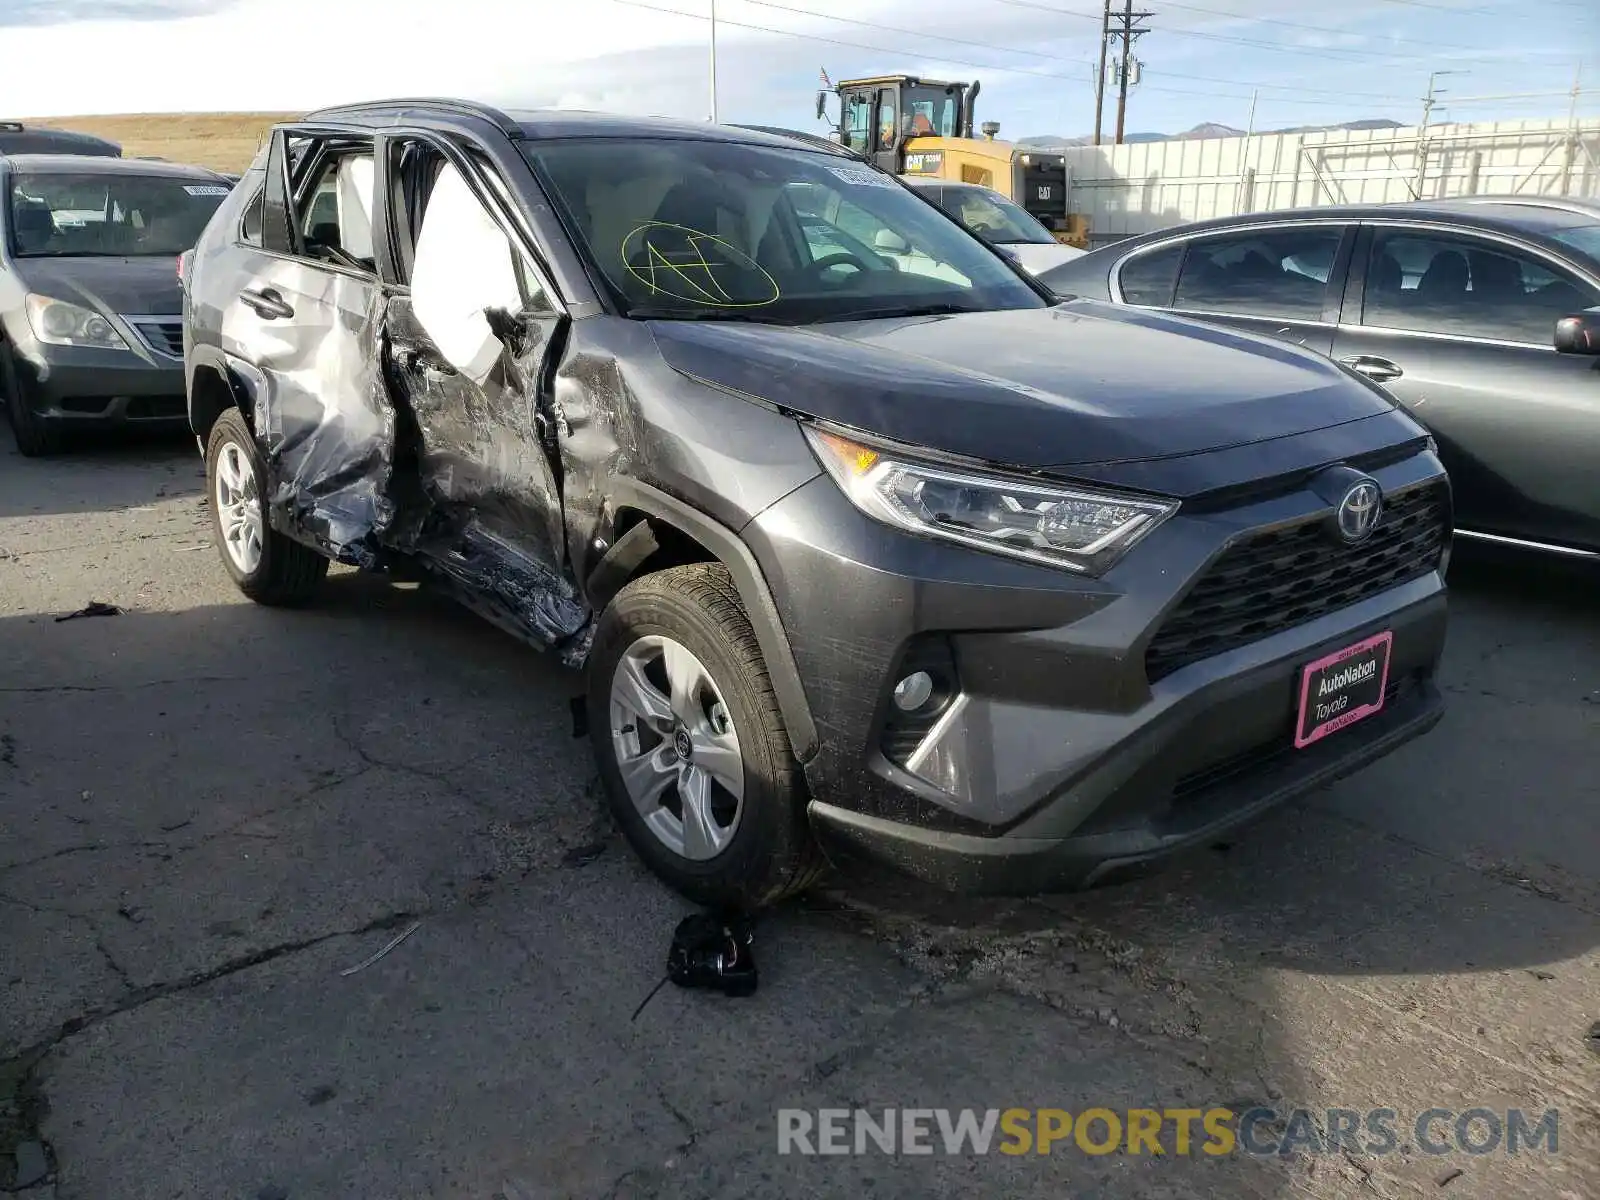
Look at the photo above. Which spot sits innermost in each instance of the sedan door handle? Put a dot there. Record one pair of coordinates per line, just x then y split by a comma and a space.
1374, 368
268, 303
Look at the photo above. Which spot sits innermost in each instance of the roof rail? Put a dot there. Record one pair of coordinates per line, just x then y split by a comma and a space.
463, 108
1574, 204
811, 139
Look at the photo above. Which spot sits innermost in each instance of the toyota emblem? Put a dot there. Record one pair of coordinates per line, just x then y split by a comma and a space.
1358, 512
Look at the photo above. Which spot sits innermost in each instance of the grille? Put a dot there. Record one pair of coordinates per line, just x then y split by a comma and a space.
164, 337
1274, 581
1260, 756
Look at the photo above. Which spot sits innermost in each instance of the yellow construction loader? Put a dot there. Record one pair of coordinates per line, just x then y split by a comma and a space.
923, 127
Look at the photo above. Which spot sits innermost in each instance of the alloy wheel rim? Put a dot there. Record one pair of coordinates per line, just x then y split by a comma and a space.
238, 508
676, 748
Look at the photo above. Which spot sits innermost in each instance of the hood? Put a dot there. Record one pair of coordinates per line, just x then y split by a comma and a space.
1041, 256
142, 286
1032, 389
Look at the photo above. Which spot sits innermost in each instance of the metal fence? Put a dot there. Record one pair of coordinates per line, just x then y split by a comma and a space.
1131, 189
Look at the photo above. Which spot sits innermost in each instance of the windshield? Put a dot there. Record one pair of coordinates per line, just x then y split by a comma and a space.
990, 215
707, 230
932, 112
1585, 238
60, 214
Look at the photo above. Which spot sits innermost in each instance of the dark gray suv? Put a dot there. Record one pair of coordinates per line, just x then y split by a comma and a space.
892, 554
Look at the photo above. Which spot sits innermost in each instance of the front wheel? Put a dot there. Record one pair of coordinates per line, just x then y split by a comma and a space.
266, 566
691, 745
35, 437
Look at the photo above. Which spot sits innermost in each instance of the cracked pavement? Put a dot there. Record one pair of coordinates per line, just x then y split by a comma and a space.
209, 810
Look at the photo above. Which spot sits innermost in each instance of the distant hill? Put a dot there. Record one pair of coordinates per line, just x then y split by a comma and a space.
221, 141
1206, 129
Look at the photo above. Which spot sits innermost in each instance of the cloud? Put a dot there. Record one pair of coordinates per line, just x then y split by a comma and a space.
596, 53
68, 12
73, 57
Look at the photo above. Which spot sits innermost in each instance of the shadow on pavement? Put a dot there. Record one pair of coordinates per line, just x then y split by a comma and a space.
99, 472
206, 816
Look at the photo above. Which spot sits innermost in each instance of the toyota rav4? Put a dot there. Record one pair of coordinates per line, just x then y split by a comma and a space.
892, 554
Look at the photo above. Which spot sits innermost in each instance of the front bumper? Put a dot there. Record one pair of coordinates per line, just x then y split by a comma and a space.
1157, 814
73, 386
1061, 763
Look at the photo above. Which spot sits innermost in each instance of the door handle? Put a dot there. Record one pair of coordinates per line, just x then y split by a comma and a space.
1374, 368
267, 303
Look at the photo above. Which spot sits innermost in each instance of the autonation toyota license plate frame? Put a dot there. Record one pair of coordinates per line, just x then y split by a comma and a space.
1342, 688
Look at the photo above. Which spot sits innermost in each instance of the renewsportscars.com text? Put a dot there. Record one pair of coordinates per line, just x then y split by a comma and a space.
1215, 1132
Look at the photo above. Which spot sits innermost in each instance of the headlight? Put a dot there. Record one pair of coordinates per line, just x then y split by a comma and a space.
61, 324
1061, 527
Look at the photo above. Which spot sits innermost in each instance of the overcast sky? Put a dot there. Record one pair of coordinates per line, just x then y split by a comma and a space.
1311, 62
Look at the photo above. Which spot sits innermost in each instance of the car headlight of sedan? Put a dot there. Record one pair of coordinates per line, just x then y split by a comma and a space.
58, 323
1085, 531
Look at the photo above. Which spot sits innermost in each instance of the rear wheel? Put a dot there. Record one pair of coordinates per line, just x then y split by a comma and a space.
266, 566
691, 745
35, 437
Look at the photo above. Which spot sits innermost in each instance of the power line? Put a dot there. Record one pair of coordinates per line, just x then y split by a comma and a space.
1449, 8
826, 16
937, 37
1349, 55
1217, 12
1392, 97
876, 49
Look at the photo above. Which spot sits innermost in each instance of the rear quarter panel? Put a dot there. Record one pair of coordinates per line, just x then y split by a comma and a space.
1088, 276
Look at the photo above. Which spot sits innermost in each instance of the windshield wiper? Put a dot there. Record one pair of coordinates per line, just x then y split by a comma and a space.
942, 309
646, 313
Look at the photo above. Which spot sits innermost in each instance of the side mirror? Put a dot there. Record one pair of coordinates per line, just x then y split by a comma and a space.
822, 106
890, 241
1579, 333
508, 327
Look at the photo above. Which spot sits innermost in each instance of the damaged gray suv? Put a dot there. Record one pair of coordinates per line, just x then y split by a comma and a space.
865, 543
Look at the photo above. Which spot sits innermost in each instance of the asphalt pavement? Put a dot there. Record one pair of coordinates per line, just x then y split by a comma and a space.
213, 816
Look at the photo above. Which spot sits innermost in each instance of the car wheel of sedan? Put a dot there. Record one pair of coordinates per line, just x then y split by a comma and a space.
691, 745
35, 439
266, 566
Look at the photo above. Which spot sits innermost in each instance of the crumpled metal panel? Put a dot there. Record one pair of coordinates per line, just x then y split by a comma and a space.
486, 511
325, 423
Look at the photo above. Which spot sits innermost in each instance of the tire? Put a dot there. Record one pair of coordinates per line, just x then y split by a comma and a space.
35, 438
283, 572
770, 852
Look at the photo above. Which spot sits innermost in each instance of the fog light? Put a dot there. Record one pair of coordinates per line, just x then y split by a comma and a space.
912, 692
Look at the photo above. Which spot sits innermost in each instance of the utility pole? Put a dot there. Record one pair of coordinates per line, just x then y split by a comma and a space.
713, 62
1428, 103
1244, 154
1129, 33
1573, 141
1100, 80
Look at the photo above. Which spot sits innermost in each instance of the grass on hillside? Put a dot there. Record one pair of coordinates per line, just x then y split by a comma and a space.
221, 141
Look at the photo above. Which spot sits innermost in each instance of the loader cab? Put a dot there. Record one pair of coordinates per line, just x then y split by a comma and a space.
878, 116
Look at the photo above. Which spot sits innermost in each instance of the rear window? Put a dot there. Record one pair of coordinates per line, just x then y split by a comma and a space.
1583, 238
1149, 278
